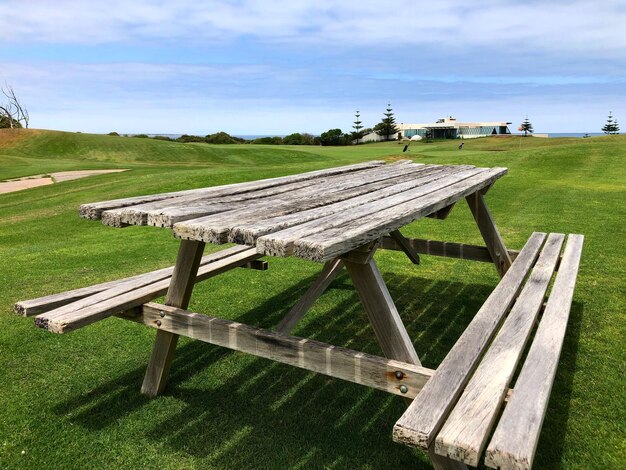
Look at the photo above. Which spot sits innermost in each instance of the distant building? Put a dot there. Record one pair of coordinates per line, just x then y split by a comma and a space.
450, 128
446, 128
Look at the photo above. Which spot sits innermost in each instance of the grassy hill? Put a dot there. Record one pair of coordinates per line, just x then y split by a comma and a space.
72, 401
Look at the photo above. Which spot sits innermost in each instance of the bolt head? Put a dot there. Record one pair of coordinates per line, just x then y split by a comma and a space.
399, 374
403, 389
158, 322
162, 313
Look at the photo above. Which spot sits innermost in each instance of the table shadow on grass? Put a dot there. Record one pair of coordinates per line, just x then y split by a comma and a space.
270, 415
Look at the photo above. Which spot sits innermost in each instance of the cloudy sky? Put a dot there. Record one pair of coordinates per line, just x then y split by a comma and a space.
269, 67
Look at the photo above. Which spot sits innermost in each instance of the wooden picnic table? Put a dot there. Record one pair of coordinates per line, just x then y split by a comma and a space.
341, 217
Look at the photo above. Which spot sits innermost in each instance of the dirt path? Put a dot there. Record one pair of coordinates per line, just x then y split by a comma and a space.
41, 180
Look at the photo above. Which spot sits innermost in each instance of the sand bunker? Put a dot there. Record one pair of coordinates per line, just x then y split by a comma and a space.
41, 180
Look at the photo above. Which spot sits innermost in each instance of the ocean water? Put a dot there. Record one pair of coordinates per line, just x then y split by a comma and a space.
574, 134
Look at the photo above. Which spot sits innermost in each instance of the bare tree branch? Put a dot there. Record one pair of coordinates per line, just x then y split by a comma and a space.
13, 111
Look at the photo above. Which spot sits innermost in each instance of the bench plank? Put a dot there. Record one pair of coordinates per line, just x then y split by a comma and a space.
94, 210
47, 303
515, 440
71, 320
466, 429
422, 420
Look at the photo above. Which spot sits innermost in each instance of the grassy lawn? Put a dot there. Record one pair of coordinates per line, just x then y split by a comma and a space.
72, 401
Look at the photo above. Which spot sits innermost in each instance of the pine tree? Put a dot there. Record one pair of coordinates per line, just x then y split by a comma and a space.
611, 126
387, 127
526, 127
358, 128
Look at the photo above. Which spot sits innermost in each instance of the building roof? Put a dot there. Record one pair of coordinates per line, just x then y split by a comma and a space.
451, 123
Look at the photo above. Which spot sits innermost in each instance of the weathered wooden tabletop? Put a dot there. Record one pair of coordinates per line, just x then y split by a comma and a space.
316, 215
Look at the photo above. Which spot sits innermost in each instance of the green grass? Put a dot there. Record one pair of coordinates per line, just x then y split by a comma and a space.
72, 401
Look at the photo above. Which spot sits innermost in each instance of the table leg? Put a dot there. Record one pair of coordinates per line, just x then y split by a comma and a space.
381, 311
178, 295
486, 225
389, 329
329, 272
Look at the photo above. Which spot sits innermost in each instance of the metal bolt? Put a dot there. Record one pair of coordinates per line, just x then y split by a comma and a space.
162, 313
158, 322
403, 389
399, 374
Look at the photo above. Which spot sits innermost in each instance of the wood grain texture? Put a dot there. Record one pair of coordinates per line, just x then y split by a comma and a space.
178, 295
334, 361
328, 274
381, 312
94, 210
373, 221
283, 242
405, 246
489, 231
216, 228
466, 429
444, 249
48, 303
166, 212
248, 233
516, 436
419, 425
72, 320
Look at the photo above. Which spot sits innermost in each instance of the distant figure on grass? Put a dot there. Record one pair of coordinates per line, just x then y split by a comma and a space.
461, 146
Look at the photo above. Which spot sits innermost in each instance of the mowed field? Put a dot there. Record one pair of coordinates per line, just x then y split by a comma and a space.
72, 401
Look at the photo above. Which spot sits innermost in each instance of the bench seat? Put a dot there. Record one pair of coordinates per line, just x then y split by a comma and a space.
67, 311
458, 408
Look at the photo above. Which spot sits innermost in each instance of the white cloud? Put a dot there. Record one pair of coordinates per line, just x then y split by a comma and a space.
577, 26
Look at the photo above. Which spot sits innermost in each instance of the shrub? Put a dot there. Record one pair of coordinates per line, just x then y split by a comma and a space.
335, 137
190, 138
268, 140
141, 136
221, 138
114, 134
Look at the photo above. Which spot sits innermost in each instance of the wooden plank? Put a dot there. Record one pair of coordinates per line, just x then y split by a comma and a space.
515, 439
405, 246
334, 361
216, 228
249, 232
375, 220
381, 311
165, 213
94, 210
328, 274
488, 230
420, 423
445, 249
282, 242
92, 313
48, 303
123, 286
178, 295
466, 429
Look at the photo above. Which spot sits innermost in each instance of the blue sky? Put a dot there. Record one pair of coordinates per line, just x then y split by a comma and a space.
268, 67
